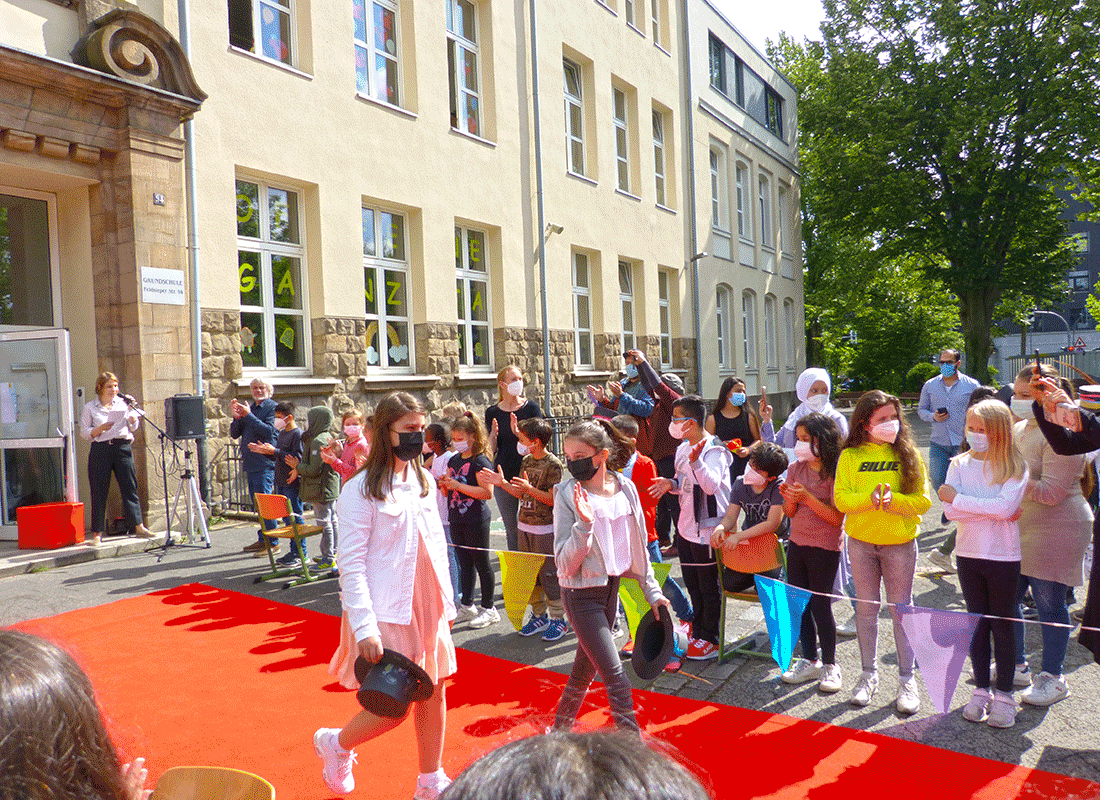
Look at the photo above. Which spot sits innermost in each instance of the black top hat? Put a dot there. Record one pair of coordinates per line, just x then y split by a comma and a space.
654, 643
387, 688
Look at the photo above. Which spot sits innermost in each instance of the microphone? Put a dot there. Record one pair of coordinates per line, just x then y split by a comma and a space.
129, 400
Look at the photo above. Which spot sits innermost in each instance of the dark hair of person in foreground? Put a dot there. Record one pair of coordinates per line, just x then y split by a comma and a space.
597, 765
53, 741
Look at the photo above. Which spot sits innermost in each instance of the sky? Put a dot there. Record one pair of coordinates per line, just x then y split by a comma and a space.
758, 21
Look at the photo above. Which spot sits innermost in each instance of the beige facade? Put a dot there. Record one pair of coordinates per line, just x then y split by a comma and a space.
367, 188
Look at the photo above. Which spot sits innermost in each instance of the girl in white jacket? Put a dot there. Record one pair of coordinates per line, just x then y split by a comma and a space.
984, 488
395, 588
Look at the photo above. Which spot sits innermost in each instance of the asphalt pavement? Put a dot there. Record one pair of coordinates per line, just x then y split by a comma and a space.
1063, 738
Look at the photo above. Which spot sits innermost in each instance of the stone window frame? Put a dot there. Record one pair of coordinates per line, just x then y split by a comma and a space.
464, 274
460, 46
367, 46
582, 294
379, 264
664, 313
266, 248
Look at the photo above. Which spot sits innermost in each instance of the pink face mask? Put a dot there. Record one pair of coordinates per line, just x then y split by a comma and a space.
887, 431
752, 477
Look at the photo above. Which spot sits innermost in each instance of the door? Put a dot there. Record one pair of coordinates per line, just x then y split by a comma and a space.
37, 458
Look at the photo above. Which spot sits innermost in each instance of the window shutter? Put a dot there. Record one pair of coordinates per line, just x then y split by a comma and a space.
240, 24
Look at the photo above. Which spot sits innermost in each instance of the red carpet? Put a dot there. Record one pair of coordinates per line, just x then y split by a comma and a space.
197, 675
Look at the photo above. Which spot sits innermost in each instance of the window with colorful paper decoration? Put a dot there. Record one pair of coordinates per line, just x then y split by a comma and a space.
475, 346
269, 259
385, 274
377, 76
463, 55
274, 19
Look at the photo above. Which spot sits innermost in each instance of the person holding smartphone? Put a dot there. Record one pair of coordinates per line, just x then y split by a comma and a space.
943, 402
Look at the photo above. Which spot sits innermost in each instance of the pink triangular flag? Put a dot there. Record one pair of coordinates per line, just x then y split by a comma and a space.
940, 641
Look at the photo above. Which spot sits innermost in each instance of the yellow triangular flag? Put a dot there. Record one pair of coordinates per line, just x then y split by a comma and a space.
633, 598
518, 573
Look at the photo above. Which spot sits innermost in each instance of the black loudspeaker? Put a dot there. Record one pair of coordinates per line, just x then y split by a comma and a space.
183, 417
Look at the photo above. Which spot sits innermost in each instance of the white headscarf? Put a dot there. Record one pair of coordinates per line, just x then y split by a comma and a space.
802, 386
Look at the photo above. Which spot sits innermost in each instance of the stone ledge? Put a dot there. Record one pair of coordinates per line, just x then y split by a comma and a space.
376, 382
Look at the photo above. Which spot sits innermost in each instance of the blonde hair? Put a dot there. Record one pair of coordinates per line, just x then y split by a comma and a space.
103, 379
353, 412
1003, 457
501, 394
453, 410
475, 432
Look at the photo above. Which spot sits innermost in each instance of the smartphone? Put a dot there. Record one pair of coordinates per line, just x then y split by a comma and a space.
941, 410
1035, 369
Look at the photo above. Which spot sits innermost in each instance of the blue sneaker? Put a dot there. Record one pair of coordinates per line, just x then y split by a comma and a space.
555, 630
537, 624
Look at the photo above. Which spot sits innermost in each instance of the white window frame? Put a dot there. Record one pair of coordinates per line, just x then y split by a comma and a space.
627, 305
630, 14
275, 7
748, 328
792, 343
719, 202
764, 186
744, 205
367, 46
660, 161
664, 314
655, 10
582, 294
722, 318
574, 139
771, 333
267, 248
378, 264
783, 222
457, 47
620, 114
465, 274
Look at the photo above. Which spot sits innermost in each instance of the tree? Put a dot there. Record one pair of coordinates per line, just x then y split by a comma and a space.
941, 130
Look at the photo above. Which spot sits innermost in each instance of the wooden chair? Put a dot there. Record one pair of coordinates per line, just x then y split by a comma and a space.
211, 783
276, 508
730, 559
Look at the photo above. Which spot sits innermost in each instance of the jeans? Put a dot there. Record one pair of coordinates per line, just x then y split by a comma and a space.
323, 515
893, 566
290, 492
681, 603
508, 506
263, 482
104, 459
1050, 602
472, 538
989, 588
668, 507
939, 456
452, 563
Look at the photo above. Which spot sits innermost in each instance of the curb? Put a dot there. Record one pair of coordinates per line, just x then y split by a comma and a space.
27, 561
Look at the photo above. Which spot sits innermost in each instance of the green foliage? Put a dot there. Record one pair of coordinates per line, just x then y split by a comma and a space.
940, 130
921, 372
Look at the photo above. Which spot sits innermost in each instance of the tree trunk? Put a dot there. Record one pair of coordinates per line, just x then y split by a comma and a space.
976, 315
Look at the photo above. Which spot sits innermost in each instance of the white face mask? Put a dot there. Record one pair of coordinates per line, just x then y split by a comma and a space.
522, 449
279, 423
887, 431
752, 477
803, 451
676, 429
461, 447
817, 402
979, 442
1022, 408
515, 388
352, 431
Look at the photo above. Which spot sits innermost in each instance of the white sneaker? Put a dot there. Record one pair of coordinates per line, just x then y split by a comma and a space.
485, 617
1047, 690
865, 688
338, 761
1002, 712
830, 679
908, 701
465, 613
431, 791
1021, 676
802, 671
847, 628
945, 561
977, 710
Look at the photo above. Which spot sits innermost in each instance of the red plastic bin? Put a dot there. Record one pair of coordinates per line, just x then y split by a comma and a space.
50, 525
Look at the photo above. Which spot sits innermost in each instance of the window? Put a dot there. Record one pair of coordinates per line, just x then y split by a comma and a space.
628, 11
784, 221
665, 313
744, 219
622, 139
748, 328
765, 214
792, 342
462, 66
730, 76
385, 275
269, 255
771, 338
718, 209
1080, 241
1078, 280
725, 360
274, 19
472, 273
626, 303
582, 311
717, 64
659, 162
574, 118
655, 13
773, 114
376, 76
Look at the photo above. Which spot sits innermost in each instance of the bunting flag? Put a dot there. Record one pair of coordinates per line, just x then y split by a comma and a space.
633, 598
940, 642
518, 575
783, 605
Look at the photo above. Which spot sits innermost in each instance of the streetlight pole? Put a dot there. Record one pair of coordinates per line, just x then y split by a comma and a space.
1069, 336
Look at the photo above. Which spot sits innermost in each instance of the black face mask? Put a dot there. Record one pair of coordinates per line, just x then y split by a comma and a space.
410, 444
582, 469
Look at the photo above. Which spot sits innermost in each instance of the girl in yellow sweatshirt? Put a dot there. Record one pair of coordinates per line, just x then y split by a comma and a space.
882, 489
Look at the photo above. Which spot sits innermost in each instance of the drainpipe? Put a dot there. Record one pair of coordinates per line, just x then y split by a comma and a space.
184, 10
693, 237
541, 217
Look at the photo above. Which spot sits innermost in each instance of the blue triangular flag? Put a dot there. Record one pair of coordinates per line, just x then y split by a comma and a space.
783, 606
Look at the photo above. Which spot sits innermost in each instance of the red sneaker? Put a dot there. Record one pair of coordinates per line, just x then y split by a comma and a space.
700, 650
628, 648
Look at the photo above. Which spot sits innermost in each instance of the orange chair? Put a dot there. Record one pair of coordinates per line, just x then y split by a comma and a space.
758, 557
276, 508
211, 783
